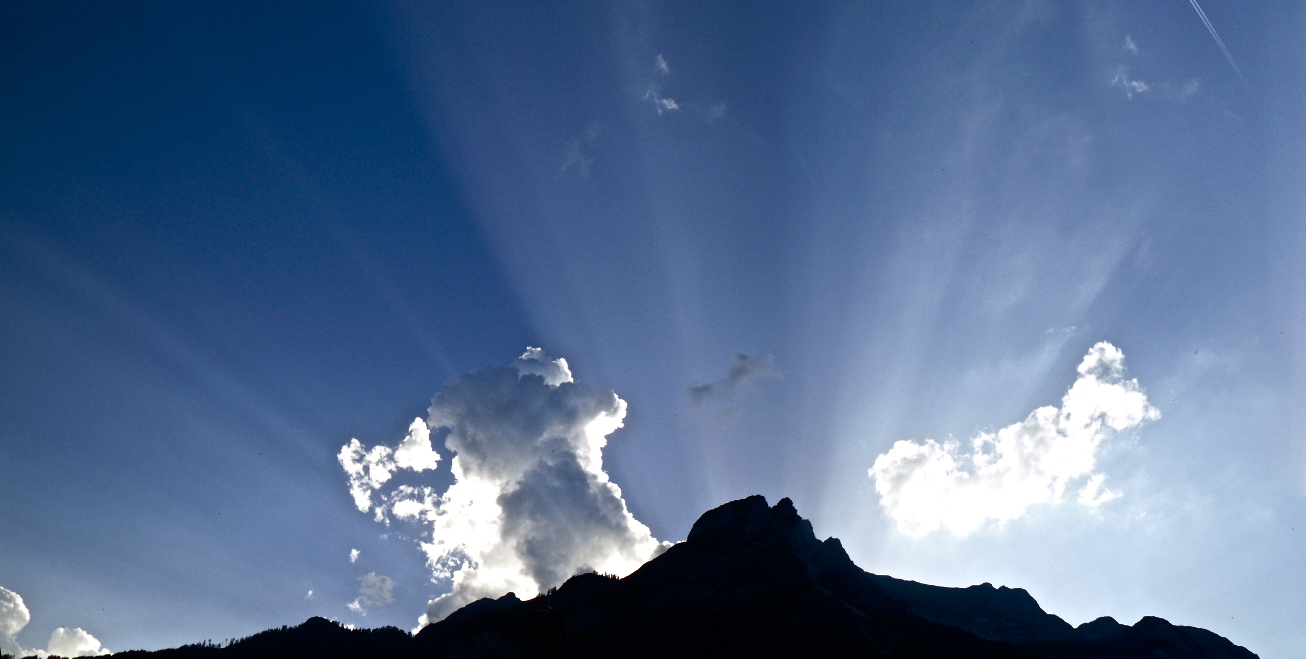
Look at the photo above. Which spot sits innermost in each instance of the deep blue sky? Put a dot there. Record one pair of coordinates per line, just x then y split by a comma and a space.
234, 237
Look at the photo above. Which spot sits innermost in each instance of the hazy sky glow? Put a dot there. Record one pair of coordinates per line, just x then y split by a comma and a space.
1005, 292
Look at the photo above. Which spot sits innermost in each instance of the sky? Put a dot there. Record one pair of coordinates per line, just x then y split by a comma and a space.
364, 310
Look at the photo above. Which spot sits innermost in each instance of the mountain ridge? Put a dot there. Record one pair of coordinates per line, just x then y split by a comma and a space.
750, 578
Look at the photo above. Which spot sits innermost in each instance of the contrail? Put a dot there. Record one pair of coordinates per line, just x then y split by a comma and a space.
1218, 41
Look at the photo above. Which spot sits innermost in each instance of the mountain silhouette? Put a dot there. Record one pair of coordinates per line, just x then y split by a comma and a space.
750, 580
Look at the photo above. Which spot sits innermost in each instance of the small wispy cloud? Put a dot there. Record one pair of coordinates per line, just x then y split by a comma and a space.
654, 93
309, 596
374, 590
930, 486
576, 158
1168, 90
662, 100
742, 372
1131, 87
660, 64
661, 103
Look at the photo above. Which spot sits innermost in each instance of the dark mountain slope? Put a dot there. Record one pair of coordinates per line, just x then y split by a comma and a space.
750, 580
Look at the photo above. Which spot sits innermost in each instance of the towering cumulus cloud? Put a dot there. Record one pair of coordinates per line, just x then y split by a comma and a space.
928, 486
64, 642
13, 617
530, 504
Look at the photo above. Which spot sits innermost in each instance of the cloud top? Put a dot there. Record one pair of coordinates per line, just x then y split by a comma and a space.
928, 486
73, 642
531, 504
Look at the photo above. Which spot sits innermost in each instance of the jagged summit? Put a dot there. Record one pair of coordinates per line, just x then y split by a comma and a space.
750, 517
753, 580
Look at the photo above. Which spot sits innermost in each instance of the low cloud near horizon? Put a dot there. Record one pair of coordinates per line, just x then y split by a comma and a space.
930, 486
374, 590
530, 505
64, 641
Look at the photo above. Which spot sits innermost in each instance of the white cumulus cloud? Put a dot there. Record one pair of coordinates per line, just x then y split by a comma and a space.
354, 553
370, 469
14, 616
531, 504
64, 642
73, 642
930, 486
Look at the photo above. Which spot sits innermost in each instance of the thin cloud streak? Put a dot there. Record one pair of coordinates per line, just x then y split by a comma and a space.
1218, 41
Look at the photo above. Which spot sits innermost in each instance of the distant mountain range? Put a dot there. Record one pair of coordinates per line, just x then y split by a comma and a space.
751, 580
